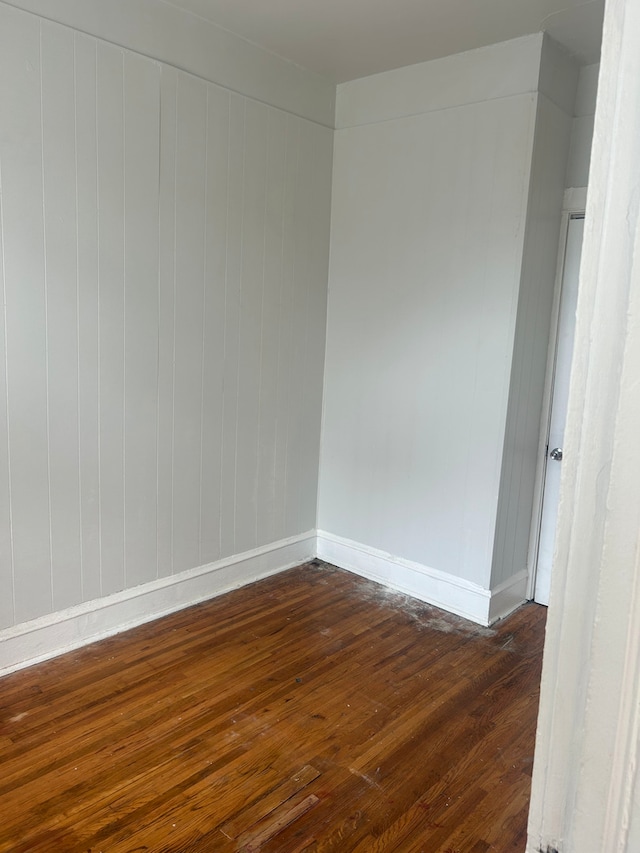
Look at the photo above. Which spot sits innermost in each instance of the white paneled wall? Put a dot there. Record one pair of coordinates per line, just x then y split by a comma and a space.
162, 30
164, 247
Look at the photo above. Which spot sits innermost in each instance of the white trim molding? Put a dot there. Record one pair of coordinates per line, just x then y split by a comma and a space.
52, 635
575, 199
49, 636
441, 589
585, 795
508, 596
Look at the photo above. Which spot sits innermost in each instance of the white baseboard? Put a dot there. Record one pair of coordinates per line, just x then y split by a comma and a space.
508, 596
49, 636
435, 587
431, 585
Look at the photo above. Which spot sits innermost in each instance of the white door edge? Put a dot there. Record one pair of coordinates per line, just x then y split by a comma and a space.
574, 204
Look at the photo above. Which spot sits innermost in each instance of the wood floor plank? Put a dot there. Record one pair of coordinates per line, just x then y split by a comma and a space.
266, 829
313, 711
263, 806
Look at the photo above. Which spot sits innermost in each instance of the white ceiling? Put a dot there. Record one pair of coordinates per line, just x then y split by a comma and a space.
346, 39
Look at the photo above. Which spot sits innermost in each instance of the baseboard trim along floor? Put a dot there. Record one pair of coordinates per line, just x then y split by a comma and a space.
456, 595
49, 636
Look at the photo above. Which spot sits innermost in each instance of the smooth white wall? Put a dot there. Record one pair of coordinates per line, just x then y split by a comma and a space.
453, 81
448, 186
164, 265
428, 222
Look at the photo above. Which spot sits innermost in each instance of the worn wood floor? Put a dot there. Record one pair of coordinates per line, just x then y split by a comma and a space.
313, 711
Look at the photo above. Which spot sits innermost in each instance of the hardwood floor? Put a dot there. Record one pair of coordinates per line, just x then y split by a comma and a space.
313, 711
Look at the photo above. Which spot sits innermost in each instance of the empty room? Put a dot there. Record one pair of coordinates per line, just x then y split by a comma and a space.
319, 502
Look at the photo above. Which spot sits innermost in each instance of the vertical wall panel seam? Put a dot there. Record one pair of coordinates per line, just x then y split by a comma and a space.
159, 293
264, 265
241, 271
173, 361
224, 330
279, 417
292, 324
6, 390
304, 326
46, 325
99, 342
124, 326
289, 334
157, 316
205, 248
75, 132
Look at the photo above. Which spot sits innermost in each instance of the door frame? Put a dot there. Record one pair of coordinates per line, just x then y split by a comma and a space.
575, 200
